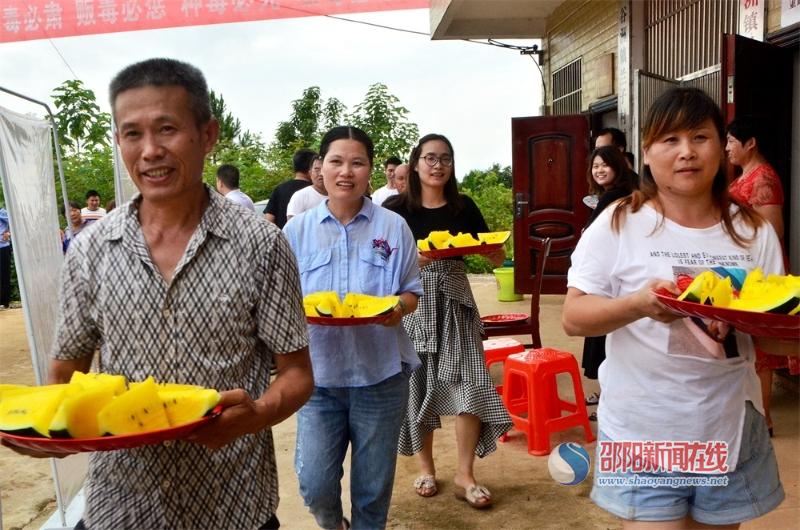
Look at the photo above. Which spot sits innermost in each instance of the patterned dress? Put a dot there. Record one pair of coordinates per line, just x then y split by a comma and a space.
762, 187
446, 331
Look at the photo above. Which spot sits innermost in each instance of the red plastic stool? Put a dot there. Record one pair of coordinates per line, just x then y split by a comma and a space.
496, 350
530, 385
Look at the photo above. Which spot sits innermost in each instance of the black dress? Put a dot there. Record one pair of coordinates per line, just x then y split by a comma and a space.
446, 331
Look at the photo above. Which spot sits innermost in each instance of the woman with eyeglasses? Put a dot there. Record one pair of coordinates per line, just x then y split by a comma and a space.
446, 330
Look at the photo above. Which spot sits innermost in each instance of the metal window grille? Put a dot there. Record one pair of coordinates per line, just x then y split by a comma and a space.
685, 36
567, 86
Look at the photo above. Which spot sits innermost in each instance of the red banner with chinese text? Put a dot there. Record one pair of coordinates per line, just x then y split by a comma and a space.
41, 19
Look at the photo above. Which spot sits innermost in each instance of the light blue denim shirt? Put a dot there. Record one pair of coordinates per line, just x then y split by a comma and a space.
375, 254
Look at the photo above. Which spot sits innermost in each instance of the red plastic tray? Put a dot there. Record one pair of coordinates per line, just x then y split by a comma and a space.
108, 443
461, 251
504, 318
757, 324
352, 321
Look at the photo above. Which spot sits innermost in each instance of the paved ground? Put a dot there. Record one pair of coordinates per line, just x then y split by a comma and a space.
525, 495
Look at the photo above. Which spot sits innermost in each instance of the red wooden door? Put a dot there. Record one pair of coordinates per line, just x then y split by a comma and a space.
757, 80
549, 183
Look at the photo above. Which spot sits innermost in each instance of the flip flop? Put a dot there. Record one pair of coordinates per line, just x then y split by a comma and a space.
425, 486
476, 496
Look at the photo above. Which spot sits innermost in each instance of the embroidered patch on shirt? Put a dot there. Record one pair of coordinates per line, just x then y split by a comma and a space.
381, 247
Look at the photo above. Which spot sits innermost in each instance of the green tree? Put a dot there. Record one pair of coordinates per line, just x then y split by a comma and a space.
476, 179
382, 117
310, 118
489, 191
242, 148
230, 128
80, 123
84, 133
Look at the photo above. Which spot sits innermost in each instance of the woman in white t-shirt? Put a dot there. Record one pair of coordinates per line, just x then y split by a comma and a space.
682, 394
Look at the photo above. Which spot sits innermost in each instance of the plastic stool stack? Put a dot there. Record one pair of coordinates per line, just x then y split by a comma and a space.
496, 350
531, 396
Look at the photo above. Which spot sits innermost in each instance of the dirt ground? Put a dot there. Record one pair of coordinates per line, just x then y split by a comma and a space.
525, 496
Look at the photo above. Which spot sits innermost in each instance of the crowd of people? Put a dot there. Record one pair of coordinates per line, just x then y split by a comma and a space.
203, 291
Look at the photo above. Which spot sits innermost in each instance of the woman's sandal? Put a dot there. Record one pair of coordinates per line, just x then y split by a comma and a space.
592, 400
476, 496
425, 486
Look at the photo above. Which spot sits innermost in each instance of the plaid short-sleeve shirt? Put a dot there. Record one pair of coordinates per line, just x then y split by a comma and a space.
233, 303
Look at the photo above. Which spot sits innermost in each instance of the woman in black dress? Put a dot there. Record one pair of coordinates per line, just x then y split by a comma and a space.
611, 179
446, 330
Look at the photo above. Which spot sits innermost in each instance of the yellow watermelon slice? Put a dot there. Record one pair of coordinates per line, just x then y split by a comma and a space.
699, 291
185, 406
463, 240
31, 411
493, 238
137, 410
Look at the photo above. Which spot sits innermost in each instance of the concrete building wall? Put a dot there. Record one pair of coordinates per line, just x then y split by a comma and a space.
581, 28
773, 15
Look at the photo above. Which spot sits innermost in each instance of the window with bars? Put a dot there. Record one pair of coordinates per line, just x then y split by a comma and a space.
567, 87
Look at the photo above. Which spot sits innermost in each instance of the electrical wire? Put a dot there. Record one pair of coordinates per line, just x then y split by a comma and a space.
74, 75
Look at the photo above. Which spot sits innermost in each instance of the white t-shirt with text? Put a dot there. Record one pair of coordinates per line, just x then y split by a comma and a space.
671, 382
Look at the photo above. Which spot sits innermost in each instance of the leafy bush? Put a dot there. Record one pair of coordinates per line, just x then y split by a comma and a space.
491, 191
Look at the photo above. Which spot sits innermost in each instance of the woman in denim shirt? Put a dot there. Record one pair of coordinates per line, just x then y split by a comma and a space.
347, 244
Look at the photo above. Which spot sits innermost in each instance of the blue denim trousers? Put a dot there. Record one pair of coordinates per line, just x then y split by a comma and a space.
367, 417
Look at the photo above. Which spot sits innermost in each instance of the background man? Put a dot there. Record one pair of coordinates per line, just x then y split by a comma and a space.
182, 285
75, 224
384, 192
310, 196
616, 138
611, 136
275, 212
92, 212
401, 177
228, 186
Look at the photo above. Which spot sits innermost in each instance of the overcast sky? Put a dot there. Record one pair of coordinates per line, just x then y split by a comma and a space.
466, 91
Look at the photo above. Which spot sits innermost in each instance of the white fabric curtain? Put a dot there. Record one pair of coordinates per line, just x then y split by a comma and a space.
26, 170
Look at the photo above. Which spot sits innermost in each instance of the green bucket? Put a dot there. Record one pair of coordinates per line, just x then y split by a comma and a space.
505, 285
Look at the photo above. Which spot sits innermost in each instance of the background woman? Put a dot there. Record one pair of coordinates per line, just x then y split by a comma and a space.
346, 244
610, 179
446, 330
760, 188
667, 379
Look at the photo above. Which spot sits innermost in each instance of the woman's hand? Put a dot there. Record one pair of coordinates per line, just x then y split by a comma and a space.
497, 257
395, 317
647, 305
589, 315
406, 304
423, 260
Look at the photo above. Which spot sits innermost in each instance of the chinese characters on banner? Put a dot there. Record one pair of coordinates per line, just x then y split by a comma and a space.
751, 19
41, 19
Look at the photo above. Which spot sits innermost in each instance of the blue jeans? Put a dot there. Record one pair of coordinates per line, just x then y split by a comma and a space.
367, 417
